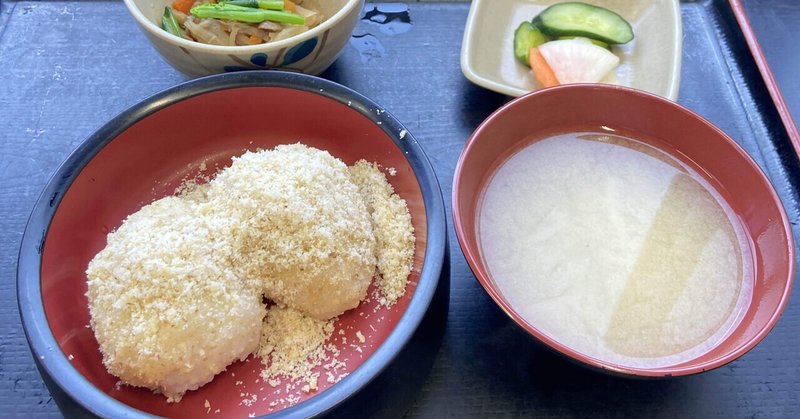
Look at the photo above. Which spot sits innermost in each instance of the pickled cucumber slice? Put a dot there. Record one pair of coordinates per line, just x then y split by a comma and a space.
581, 19
526, 37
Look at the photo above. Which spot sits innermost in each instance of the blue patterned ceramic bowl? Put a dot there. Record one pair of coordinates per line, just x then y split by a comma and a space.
310, 52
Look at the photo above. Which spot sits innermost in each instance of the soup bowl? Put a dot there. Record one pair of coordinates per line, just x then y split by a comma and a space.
671, 128
310, 52
144, 154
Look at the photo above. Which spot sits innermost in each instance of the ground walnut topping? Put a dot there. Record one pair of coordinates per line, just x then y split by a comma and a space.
391, 223
177, 294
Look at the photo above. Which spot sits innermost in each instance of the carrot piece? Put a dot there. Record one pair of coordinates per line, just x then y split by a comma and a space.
253, 40
544, 74
183, 5
289, 6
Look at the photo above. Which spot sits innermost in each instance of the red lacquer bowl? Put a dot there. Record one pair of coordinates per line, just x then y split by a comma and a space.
671, 128
142, 155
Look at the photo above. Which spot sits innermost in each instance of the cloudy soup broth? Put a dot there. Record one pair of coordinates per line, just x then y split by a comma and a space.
615, 249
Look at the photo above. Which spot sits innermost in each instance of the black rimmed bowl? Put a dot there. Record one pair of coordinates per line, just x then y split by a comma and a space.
142, 155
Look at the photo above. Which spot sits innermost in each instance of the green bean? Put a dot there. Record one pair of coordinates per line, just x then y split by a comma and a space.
245, 14
258, 4
170, 24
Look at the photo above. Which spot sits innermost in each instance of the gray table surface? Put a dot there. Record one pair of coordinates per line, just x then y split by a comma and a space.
66, 67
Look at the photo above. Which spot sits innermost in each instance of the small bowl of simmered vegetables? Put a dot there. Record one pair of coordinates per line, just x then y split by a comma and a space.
202, 37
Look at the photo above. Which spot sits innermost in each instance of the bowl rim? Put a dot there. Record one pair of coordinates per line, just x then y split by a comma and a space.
473, 255
156, 31
44, 347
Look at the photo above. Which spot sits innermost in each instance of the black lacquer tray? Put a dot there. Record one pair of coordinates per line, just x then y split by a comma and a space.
67, 67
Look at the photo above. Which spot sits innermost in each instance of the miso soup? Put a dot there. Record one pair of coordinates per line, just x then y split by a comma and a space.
615, 249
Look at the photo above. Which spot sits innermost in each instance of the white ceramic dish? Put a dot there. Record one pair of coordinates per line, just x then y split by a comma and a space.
651, 62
